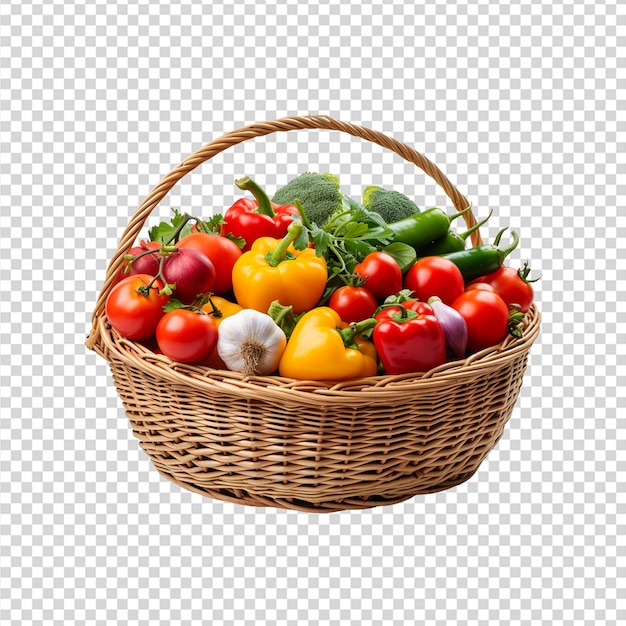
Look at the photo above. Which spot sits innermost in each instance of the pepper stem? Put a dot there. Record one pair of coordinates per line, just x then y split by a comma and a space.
281, 251
404, 295
215, 311
459, 213
403, 315
264, 205
355, 329
303, 216
503, 253
474, 228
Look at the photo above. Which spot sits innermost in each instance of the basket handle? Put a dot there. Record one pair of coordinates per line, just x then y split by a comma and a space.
133, 229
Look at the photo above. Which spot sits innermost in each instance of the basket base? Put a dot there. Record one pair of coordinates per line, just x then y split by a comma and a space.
249, 499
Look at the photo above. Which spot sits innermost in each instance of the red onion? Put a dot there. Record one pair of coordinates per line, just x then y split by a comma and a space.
453, 324
191, 271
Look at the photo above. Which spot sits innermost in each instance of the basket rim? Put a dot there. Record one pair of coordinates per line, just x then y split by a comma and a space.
381, 388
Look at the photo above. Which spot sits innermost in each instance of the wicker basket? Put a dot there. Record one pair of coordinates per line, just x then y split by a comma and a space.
302, 445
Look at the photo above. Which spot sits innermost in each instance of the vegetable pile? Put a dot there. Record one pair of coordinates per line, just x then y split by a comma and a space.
314, 285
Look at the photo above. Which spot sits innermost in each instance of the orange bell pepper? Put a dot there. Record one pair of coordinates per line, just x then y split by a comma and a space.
280, 270
219, 308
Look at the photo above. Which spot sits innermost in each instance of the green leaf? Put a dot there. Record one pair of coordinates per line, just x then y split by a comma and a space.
321, 241
516, 317
374, 218
354, 230
382, 234
172, 304
212, 226
351, 204
357, 251
404, 254
335, 280
166, 230
167, 290
284, 317
240, 241
404, 295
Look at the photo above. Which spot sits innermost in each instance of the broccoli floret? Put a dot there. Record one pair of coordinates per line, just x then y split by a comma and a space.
318, 193
392, 206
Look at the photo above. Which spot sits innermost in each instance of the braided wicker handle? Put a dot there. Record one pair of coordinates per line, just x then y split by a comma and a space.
250, 132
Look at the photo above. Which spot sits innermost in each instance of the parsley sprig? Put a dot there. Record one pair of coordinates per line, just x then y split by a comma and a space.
180, 225
349, 235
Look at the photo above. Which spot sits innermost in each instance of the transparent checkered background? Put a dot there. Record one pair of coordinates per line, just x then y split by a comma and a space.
521, 104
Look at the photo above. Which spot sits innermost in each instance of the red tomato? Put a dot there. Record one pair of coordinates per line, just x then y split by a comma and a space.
486, 316
435, 276
222, 252
511, 285
480, 285
353, 304
186, 336
381, 273
133, 314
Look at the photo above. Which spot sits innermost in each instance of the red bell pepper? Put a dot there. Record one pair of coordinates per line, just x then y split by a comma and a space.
409, 338
252, 219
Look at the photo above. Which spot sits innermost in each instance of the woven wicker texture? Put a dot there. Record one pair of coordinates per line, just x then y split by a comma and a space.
311, 446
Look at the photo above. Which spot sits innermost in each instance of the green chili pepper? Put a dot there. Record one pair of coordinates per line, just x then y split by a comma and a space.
451, 241
475, 262
422, 228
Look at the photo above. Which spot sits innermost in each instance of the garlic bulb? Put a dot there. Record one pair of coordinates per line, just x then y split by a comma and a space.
251, 342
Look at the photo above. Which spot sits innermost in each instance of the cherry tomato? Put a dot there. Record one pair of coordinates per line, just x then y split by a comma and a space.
186, 336
435, 276
381, 273
353, 304
486, 316
221, 251
511, 285
133, 314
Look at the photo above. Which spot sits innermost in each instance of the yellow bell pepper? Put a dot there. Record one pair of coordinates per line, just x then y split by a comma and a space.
273, 269
323, 347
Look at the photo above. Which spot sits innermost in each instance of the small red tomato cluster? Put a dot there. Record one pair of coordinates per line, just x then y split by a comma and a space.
410, 336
